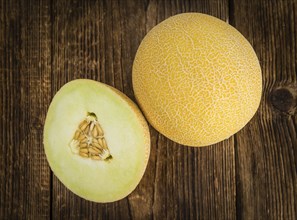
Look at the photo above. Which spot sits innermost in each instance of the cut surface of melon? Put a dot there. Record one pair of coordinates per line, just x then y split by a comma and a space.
125, 131
197, 79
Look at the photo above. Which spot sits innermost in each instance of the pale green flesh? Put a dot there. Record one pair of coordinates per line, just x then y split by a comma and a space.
124, 131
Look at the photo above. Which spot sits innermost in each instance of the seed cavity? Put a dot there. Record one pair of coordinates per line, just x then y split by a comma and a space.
88, 140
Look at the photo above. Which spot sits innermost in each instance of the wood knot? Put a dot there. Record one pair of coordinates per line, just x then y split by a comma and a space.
284, 100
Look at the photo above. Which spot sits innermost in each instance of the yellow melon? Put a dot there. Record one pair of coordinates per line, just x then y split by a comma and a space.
197, 79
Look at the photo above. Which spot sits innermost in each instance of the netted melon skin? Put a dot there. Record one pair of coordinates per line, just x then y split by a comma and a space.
197, 79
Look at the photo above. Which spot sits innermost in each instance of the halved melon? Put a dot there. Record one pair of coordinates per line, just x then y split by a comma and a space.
96, 141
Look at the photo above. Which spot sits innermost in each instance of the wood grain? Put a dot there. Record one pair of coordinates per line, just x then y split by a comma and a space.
25, 94
266, 148
44, 44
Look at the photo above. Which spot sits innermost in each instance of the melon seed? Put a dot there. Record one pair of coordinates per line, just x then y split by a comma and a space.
90, 139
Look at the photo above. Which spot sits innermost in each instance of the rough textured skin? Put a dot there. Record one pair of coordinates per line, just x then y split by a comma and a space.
197, 79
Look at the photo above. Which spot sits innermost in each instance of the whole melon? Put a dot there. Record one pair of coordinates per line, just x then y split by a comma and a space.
197, 79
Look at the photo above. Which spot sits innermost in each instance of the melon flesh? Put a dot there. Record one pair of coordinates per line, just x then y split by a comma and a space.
125, 131
197, 79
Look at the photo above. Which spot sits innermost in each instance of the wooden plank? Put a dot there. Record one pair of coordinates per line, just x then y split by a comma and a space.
25, 92
98, 40
191, 183
266, 149
86, 44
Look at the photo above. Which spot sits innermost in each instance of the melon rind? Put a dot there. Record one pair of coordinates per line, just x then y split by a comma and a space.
197, 79
126, 133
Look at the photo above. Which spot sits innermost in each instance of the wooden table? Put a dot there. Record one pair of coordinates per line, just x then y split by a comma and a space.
44, 44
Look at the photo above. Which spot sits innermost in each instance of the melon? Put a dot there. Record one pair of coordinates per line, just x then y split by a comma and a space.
96, 141
197, 79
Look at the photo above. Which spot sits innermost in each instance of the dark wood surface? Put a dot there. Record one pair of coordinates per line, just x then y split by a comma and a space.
44, 44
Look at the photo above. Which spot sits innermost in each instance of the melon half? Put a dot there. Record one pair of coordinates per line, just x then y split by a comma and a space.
197, 79
96, 141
